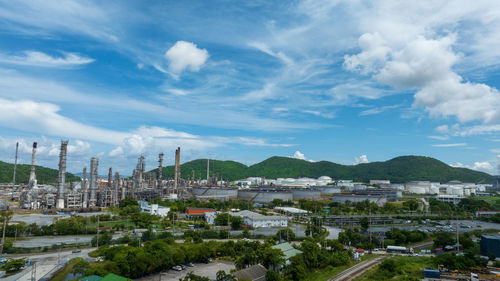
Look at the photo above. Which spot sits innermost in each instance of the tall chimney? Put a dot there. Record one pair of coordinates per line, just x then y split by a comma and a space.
177, 172
32, 180
84, 189
15, 166
94, 162
160, 169
115, 189
208, 170
62, 174
110, 176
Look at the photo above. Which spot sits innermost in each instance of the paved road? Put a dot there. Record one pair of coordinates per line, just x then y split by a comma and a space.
201, 269
45, 263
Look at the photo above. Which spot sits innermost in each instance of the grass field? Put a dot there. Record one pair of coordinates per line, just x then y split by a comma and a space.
328, 272
127, 223
402, 268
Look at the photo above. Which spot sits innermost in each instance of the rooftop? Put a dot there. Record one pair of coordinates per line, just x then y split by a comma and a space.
287, 249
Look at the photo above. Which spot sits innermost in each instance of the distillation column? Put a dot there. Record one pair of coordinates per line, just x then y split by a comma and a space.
94, 162
85, 189
61, 180
32, 181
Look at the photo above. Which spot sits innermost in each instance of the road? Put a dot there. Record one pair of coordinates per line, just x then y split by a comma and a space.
357, 270
45, 263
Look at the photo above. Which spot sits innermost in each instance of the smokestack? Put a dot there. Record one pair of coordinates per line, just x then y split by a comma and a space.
208, 170
115, 190
62, 174
110, 176
160, 169
94, 162
15, 166
177, 173
32, 181
84, 188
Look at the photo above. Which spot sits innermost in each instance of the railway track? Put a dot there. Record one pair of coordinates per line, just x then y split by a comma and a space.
356, 270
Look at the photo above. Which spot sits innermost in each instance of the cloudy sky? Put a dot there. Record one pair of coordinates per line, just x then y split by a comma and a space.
344, 81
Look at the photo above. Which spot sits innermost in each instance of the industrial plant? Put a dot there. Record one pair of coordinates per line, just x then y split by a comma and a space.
94, 192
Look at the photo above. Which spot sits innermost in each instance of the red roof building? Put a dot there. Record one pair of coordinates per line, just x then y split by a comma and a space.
198, 211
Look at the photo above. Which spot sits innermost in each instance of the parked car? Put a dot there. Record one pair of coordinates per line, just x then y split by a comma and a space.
183, 266
76, 251
177, 268
190, 264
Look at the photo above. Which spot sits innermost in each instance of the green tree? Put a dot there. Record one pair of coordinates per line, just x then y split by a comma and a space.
272, 276
222, 219
442, 239
271, 258
236, 222
285, 234
14, 265
364, 223
129, 201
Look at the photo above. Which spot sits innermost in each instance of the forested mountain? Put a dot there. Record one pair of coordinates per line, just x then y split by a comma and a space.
399, 170
43, 175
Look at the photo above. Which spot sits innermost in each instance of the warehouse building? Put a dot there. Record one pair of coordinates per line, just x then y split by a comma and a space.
490, 244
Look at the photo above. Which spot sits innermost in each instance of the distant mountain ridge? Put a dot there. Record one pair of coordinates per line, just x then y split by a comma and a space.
398, 170
43, 175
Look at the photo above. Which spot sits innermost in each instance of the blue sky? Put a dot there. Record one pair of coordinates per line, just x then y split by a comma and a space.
344, 81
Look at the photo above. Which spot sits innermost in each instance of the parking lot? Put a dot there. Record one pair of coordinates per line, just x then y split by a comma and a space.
201, 269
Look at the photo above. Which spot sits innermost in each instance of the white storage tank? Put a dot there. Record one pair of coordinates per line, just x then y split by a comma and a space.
417, 190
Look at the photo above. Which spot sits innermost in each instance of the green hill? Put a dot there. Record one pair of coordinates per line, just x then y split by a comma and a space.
398, 170
43, 175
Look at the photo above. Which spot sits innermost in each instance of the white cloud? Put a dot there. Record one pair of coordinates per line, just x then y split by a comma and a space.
449, 144
44, 118
485, 166
378, 110
34, 58
185, 55
417, 53
299, 155
118, 151
442, 129
475, 130
442, 138
361, 159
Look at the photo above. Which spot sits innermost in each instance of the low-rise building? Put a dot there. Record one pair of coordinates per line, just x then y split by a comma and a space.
257, 220
288, 250
291, 211
380, 200
490, 245
455, 199
153, 209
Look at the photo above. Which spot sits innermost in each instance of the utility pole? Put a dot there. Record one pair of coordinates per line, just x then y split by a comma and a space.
33, 272
97, 237
3, 235
15, 166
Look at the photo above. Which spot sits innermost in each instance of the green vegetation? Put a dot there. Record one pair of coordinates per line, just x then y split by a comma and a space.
76, 265
400, 169
398, 268
13, 265
43, 175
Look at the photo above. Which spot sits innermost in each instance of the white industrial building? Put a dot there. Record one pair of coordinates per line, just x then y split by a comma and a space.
257, 220
153, 209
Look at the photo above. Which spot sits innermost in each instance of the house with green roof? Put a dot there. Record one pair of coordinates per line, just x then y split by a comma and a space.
288, 250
